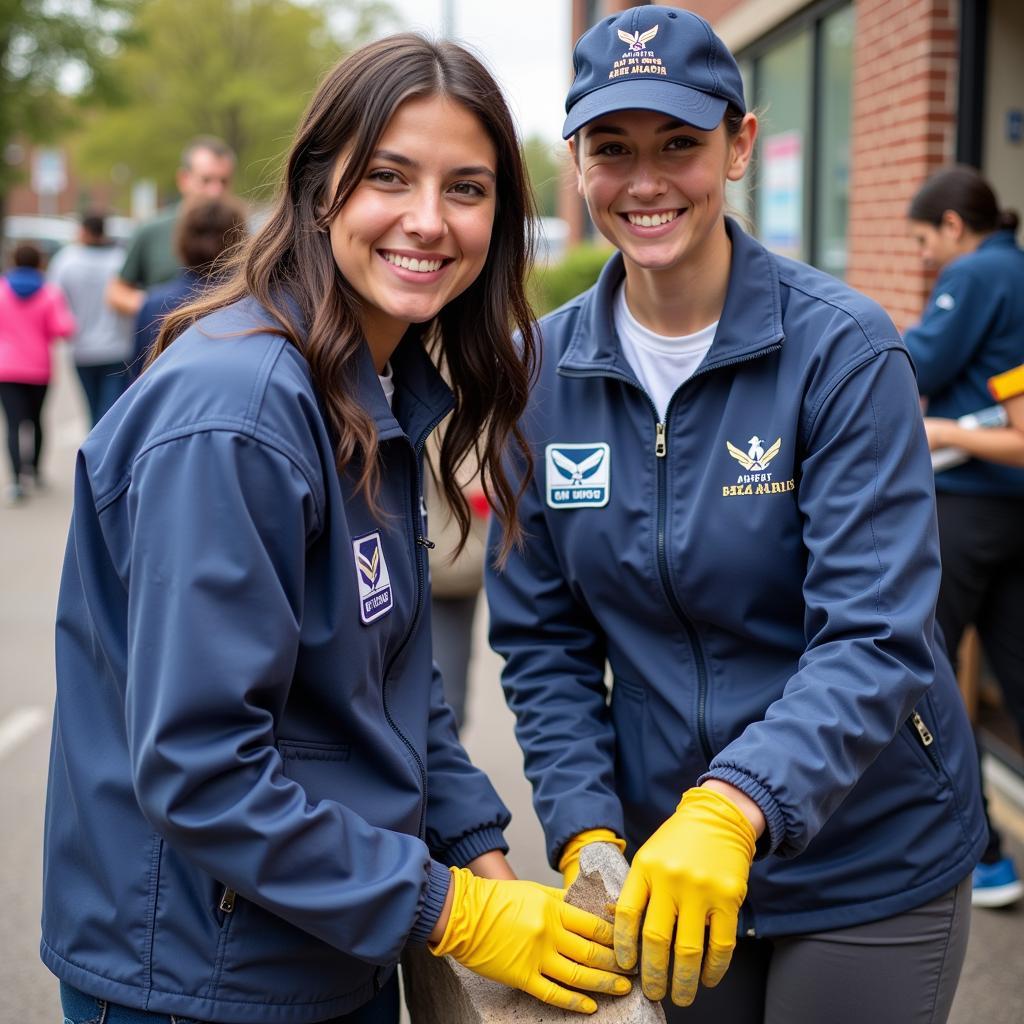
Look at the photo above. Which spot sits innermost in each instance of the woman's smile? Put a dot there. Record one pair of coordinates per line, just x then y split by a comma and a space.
652, 223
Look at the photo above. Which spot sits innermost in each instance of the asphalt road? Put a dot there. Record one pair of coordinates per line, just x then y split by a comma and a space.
31, 548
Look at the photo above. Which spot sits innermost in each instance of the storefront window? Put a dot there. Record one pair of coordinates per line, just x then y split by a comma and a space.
782, 154
801, 82
832, 195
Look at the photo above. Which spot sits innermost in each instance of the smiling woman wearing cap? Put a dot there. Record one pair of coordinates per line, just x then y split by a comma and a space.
735, 513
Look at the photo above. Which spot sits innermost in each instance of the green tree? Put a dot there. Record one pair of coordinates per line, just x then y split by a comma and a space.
552, 286
40, 42
240, 69
546, 165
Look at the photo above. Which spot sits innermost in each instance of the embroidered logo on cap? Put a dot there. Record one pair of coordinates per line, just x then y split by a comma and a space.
375, 597
577, 475
638, 59
638, 40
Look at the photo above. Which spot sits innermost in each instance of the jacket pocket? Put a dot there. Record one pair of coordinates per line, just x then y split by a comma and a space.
308, 750
918, 733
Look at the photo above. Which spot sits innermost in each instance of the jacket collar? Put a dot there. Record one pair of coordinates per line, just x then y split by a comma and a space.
751, 320
421, 396
421, 399
1002, 239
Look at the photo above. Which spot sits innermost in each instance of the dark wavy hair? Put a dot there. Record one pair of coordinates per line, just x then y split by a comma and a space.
964, 191
483, 341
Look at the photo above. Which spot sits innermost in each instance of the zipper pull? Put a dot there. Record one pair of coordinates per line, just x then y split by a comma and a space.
927, 739
660, 447
227, 900
426, 542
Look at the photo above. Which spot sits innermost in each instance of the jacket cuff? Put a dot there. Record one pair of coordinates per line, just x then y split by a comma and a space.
436, 892
473, 845
775, 830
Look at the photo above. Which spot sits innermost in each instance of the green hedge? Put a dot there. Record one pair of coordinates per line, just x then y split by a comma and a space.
553, 286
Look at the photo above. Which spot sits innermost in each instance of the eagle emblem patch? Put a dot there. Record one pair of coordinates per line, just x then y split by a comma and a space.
577, 475
756, 458
755, 477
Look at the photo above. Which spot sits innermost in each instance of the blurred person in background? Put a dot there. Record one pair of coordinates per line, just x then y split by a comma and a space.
257, 798
33, 315
102, 342
971, 330
207, 168
733, 513
204, 232
456, 579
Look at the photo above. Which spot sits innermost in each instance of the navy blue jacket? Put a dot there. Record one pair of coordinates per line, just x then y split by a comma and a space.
972, 329
255, 783
160, 300
759, 572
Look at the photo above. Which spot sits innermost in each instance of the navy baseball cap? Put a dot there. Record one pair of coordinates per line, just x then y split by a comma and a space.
652, 58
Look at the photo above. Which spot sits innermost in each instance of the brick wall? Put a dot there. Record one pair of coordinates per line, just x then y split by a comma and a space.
77, 195
904, 121
713, 10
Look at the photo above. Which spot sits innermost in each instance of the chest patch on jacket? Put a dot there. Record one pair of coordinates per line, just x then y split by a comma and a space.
577, 475
755, 476
375, 598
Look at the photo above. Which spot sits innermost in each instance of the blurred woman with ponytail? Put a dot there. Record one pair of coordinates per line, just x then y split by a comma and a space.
973, 329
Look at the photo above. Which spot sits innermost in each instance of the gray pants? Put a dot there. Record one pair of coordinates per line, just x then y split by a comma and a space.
903, 970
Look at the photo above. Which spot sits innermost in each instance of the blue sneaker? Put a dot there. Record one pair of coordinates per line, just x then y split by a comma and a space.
996, 885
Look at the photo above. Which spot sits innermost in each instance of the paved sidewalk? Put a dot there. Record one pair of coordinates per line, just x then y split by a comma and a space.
31, 548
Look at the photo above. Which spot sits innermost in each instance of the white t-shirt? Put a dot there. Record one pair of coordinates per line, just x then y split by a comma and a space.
387, 382
661, 364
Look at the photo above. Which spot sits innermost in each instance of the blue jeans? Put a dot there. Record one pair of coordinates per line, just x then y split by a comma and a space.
80, 1008
103, 385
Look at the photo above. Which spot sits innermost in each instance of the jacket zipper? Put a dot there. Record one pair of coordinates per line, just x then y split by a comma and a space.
226, 903
420, 546
660, 452
747, 928
926, 738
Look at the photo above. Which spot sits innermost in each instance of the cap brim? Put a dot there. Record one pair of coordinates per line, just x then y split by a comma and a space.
688, 105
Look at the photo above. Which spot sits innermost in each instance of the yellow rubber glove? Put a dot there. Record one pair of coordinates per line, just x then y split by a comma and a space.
692, 872
569, 864
523, 935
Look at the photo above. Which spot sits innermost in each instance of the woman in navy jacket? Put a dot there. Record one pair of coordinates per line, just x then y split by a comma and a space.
733, 511
256, 794
973, 329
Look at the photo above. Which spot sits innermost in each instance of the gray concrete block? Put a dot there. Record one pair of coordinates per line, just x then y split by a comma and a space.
441, 991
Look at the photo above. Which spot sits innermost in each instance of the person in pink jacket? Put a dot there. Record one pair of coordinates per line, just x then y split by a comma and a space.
33, 314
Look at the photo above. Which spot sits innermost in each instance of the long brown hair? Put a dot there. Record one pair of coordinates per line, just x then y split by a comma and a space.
483, 340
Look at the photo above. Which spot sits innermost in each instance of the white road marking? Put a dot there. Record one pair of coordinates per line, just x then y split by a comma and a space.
19, 725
